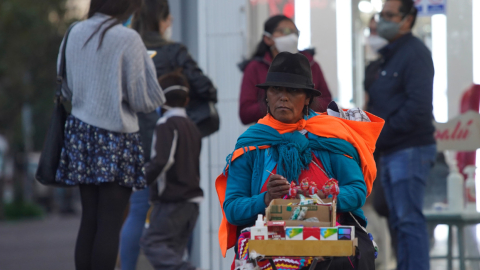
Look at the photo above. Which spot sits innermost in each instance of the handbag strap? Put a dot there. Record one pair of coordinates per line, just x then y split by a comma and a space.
62, 72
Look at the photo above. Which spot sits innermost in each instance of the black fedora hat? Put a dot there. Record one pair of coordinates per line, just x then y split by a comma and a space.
290, 70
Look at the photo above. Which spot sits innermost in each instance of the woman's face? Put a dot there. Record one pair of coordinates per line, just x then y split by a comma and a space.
286, 104
284, 28
165, 24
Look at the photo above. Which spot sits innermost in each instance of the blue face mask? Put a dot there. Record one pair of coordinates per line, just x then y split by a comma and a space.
128, 22
388, 30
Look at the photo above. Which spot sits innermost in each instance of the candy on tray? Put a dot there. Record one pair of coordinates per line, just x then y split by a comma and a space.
311, 233
329, 233
305, 185
312, 190
295, 213
303, 213
312, 219
294, 233
331, 189
292, 192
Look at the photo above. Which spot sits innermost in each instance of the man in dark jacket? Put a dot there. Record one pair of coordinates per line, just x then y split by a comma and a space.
402, 95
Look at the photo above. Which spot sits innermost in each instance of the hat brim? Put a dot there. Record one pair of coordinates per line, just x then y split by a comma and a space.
266, 85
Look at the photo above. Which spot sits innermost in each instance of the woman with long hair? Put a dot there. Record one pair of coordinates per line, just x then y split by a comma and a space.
280, 35
154, 24
110, 79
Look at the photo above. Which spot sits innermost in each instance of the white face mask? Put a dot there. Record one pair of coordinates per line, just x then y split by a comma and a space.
288, 43
168, 33
376, 42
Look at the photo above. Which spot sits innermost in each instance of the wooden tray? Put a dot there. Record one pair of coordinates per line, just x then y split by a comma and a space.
303, 248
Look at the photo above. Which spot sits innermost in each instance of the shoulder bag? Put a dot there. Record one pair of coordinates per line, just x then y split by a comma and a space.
54, 139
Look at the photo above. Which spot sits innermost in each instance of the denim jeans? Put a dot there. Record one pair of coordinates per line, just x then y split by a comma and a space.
133, 228
403, 175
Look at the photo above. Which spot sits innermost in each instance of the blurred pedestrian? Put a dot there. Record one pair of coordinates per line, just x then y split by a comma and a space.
374, 42
110, 78
280, 35
154, 24
402, 95
174, 176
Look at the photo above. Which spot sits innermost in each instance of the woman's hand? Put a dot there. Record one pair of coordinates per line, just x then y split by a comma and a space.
277, 188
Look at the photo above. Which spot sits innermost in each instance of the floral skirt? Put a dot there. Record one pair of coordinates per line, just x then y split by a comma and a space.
92, 155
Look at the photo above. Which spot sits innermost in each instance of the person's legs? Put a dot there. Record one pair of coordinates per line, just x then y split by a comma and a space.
405, 190
132, 229
88, 227
113, 200
165, 240
386, 185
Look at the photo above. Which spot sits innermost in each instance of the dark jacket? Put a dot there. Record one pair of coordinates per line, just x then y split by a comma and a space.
402, 95
175, 163
173, 55
252, 99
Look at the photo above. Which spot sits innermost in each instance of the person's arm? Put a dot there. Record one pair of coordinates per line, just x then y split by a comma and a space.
251, 109
353, 190
201, 86
143, 92
321, 85
240, 206
66, 93
162, 152
418, 82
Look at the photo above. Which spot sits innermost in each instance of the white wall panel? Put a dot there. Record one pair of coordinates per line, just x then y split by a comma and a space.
225, 17
459, 53
324, 40
221, 45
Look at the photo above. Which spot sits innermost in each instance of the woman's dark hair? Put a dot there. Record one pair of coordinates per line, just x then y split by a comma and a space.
119, 10
175, 98
148, 18
270, 25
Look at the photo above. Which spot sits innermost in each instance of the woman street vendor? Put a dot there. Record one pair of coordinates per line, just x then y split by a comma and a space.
293, 142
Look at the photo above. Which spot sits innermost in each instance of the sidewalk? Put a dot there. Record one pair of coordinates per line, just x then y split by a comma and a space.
46, 244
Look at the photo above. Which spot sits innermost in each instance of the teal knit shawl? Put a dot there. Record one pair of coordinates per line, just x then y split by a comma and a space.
293, 151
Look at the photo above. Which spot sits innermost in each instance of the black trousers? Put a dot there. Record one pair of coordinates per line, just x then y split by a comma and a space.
365, 259
103, 207
166, 238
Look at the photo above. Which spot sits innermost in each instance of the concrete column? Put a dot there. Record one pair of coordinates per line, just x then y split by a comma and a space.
324, 38
459, 52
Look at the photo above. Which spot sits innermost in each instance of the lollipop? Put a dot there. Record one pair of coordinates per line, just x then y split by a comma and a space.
304, 185
331, 188
313, 188
292, 192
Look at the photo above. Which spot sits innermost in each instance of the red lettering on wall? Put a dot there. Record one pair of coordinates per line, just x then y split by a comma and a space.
460, 132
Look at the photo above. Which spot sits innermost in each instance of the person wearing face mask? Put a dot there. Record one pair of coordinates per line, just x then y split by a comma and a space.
280, 35
402, 95
154, 24
374, 42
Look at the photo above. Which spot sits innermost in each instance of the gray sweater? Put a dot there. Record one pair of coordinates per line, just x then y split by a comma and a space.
109, 85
